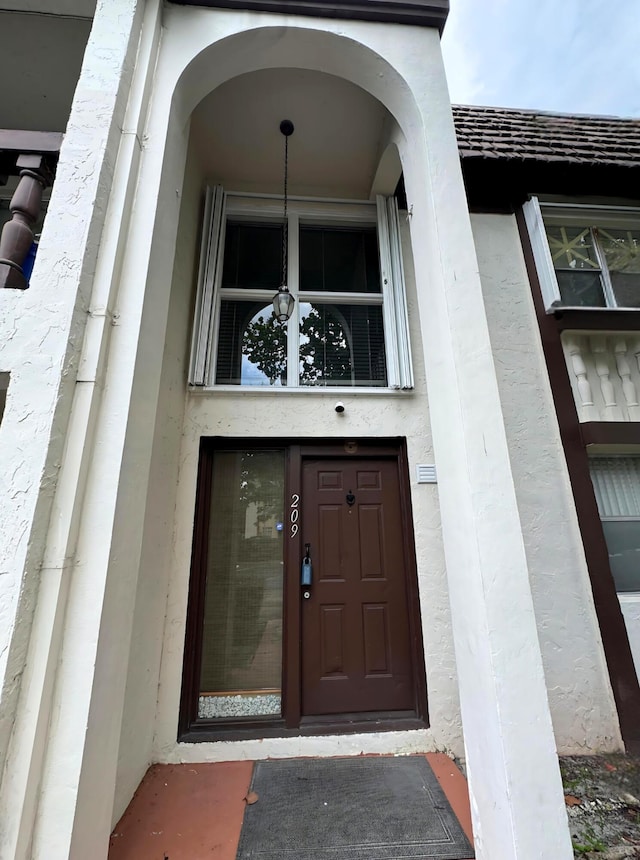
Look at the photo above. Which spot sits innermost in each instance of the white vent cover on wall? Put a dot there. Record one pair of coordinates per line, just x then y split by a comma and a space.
426, 473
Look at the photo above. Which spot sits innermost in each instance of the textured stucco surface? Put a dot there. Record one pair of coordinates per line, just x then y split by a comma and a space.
267, 414
55, 338
136, 739
145, 433
582, 706
42, 332
499, 665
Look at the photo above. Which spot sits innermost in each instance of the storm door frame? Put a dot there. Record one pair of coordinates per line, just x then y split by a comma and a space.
191, 729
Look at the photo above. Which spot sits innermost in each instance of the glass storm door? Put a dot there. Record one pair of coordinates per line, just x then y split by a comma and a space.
241, 662
262, 649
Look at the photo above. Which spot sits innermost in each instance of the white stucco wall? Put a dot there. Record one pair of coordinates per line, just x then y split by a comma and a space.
508, 736
47, 431
507, 725
580, 697
138, 726
278, 413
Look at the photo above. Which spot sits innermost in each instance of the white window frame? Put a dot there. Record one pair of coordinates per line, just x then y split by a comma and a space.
539, 213
383, 214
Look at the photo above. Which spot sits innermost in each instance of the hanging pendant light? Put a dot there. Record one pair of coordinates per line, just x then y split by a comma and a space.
283, 301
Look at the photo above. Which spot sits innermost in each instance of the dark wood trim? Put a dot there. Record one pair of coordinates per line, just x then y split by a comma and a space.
193, 730
423, 13
16, 144
206, 733
504, 183
615, 641
596, 319
20, 140
291, 693
413, 589
610, 433
197, 580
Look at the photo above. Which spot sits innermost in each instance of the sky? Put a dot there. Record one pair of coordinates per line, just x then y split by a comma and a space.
568, 56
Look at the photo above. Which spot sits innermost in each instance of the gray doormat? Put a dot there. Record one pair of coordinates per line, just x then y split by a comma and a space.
374, 808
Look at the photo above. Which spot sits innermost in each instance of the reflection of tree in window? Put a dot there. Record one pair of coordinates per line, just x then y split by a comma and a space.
325, 347
252, 345
242, 625
261, 486
265, 348
342, 344
339, 345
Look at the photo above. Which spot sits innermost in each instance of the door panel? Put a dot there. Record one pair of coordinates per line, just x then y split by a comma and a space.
356, 653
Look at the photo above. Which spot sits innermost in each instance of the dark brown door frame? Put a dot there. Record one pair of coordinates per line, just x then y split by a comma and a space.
190, 729
622, 673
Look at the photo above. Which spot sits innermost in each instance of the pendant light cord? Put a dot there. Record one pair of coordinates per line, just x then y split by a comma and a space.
285, 229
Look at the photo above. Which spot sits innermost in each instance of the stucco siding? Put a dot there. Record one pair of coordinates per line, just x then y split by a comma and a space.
302, 414
582, 707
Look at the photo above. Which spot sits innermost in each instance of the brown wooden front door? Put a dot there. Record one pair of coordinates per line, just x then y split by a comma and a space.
356, 654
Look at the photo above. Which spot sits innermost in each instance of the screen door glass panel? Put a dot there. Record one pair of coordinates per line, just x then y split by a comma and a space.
241, 670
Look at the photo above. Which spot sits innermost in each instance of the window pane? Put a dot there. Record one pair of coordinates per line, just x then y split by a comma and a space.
252, 345
342, 345
581, 289
252, 256
572, 248
576, 264
340, 260
616, 481
241, 671
623, 543
622, 252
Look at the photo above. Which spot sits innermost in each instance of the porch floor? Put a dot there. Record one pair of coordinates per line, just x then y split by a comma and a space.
195, 811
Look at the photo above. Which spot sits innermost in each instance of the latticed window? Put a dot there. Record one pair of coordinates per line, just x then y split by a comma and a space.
349, 326
587, 257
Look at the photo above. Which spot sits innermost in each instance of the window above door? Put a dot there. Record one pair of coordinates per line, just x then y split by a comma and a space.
586, 256
349, 325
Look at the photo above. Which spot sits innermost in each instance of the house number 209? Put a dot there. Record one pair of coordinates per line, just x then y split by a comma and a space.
294, 514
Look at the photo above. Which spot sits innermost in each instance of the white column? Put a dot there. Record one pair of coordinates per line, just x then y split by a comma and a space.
624, 372
600, 354
574, 345
515, 787
71, 299
89, 695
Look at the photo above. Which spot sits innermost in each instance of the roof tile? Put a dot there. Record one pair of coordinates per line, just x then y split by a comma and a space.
485, 132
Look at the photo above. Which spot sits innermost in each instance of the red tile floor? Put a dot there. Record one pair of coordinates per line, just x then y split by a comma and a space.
194, 811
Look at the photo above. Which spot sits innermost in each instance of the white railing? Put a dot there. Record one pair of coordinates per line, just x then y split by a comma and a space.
604, 370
